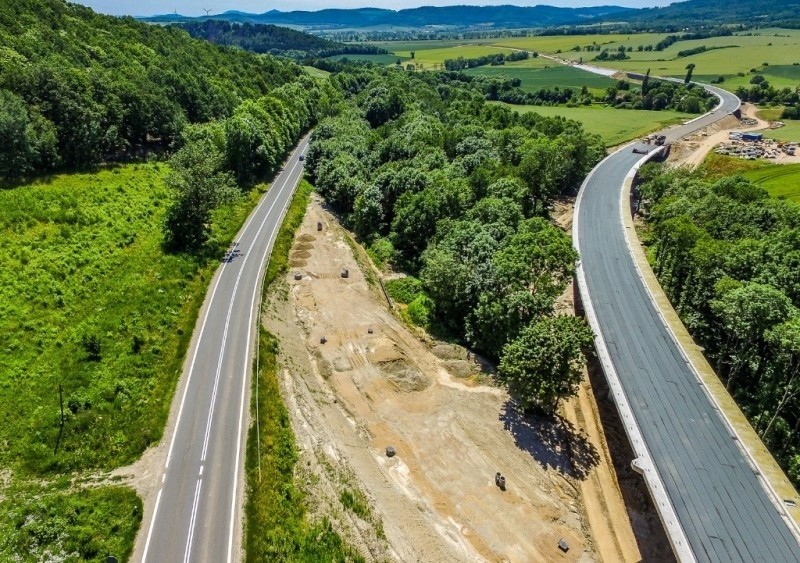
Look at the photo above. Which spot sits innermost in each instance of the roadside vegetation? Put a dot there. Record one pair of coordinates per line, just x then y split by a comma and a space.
105, 271
726, 254
57, 523
277, 524
459, 191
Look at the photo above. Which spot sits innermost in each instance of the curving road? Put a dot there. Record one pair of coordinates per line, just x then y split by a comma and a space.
197, 514
712, 504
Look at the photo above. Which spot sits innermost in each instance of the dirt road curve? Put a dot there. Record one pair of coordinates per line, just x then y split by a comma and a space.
359, 392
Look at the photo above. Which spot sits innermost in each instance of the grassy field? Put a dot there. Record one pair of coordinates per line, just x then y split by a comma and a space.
778, 47
780, 180
54, 523
534, 79
316, 73
377, 59
615, 126
789, 132
89, 301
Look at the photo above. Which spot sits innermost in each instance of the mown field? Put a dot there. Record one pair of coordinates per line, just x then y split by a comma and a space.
789, 132
534, 79
780, 180
615, 126
740, 53
89, 301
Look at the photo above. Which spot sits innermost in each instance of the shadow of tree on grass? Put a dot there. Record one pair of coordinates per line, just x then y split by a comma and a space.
551, 440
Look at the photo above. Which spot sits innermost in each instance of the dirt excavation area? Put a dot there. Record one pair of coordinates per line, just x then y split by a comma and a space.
693, 150
357, 380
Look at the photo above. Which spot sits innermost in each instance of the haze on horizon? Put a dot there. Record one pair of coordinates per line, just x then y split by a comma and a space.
198, 8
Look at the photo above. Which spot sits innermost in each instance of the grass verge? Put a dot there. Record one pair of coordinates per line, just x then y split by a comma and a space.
54, 523
277, 528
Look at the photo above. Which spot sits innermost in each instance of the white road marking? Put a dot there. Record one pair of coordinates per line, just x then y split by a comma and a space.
152, 523
250, 219
188, 552
242, 265
245, 380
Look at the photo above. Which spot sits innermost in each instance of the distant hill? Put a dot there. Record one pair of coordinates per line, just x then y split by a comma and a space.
456, 17
781, 13
261, 38
679, 15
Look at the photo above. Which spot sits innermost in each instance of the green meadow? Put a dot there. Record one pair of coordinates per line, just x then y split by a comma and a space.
739, 53
536, 78
615, 126
780, 180
733, 54
91, 304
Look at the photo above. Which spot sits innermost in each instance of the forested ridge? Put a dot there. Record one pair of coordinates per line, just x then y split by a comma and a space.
728, 257
457, 192
77, 88
273, 39
95, 308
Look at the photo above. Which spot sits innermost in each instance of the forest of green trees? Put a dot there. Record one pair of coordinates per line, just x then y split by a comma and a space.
275, 40
79, 88
457, 193
728, 257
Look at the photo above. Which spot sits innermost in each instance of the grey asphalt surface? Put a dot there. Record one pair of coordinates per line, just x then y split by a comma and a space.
198, 516
723, 509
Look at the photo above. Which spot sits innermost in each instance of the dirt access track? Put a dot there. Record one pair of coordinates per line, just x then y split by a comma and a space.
374, 383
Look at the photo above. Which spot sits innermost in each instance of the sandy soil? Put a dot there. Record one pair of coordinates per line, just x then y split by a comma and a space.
361, 391
694, 149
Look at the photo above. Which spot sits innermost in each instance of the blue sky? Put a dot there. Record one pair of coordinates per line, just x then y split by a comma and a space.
196, 7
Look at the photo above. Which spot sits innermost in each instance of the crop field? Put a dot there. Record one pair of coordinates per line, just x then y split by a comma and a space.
732, 55
91, 303
615, 126
739, 53
535, 79
780, 180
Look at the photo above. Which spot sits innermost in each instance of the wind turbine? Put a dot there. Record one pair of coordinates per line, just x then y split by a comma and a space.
207, 11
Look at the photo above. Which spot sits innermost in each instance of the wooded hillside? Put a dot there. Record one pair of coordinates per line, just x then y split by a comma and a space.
77, 87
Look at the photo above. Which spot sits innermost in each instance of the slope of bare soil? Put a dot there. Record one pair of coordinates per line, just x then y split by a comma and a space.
373, 383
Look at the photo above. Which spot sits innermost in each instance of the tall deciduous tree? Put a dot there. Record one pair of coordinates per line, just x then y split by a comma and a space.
543, 364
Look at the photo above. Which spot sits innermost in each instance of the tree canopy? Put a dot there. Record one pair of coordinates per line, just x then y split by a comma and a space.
728, 257
460, 191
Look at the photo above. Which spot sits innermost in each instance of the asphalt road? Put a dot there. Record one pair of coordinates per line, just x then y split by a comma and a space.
725, 513
197, 515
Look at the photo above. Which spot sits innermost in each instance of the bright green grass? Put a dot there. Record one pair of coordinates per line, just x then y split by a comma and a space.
54, 523
316, 73
565, 43
776, 47
780, 180
789, 132
535, 79
377, 59
430, 57
615, 126
89, 300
